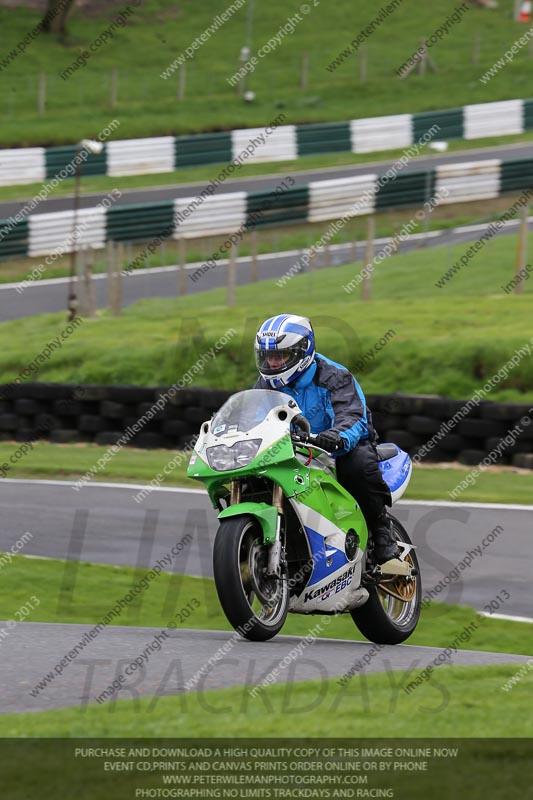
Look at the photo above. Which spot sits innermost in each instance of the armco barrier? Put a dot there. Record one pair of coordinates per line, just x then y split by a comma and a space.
210, 214
63, 413
286, 143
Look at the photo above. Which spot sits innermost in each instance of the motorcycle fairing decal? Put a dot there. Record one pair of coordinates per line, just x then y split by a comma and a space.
396, 471
321, 570
335, 586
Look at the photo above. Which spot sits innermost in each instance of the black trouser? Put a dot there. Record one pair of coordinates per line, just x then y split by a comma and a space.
358, 472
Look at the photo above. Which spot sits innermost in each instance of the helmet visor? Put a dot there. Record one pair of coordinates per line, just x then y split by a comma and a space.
274, 362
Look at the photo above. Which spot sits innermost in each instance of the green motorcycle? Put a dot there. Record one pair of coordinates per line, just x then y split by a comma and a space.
291, 538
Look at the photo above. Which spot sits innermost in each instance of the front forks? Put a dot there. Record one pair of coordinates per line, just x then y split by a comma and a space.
276, 549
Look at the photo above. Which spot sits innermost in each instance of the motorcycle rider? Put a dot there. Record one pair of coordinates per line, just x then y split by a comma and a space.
334, 404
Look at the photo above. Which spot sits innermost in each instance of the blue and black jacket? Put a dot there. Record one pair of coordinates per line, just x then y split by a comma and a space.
331, 399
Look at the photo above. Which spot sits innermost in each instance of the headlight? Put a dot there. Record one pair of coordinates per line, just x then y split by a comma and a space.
222, 458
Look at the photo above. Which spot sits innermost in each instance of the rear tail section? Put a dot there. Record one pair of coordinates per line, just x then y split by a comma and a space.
396, 467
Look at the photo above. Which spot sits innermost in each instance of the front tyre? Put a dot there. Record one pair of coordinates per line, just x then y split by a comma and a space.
253, 603
392, 610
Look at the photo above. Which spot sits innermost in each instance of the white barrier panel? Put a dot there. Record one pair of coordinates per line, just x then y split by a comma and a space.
474, 180
381, 133
140, 156
27, 165
494, 119
50, 233
333, 199
209, 216
279, 145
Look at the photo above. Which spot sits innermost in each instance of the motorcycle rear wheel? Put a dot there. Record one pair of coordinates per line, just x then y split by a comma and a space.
254, 604
384, 618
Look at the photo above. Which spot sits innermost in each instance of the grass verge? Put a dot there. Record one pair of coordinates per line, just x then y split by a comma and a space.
71, 462
446, 340
455, 702
83, 592
146, 104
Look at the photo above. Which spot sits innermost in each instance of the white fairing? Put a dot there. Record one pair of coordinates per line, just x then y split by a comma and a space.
397, 493
270, 428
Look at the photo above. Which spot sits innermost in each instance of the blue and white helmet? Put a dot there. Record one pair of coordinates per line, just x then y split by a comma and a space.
284, 349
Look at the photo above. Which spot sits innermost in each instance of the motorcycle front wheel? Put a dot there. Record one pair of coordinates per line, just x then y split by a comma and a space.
392, 610
256, 605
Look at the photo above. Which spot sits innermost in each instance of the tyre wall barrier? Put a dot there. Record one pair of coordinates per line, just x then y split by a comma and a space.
436, 428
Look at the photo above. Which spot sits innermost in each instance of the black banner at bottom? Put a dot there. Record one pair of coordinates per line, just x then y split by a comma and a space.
100, 769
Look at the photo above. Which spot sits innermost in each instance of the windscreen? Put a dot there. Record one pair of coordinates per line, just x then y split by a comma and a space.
244, 410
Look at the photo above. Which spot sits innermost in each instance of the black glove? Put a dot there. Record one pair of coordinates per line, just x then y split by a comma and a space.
329, 440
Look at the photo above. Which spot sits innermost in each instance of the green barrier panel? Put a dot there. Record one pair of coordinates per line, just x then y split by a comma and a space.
324, 138
409, 189
528, 115
278, 207
14, 241
203, 148
140, 222
517, 174
58, 158
451, 124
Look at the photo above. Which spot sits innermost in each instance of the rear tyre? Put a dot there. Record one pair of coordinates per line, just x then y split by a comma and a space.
392, 610
253, 603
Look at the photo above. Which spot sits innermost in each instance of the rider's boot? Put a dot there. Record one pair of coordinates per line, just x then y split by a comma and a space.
385, 546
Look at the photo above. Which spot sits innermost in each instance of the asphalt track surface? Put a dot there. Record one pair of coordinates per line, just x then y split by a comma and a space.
33, 650
102, 523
